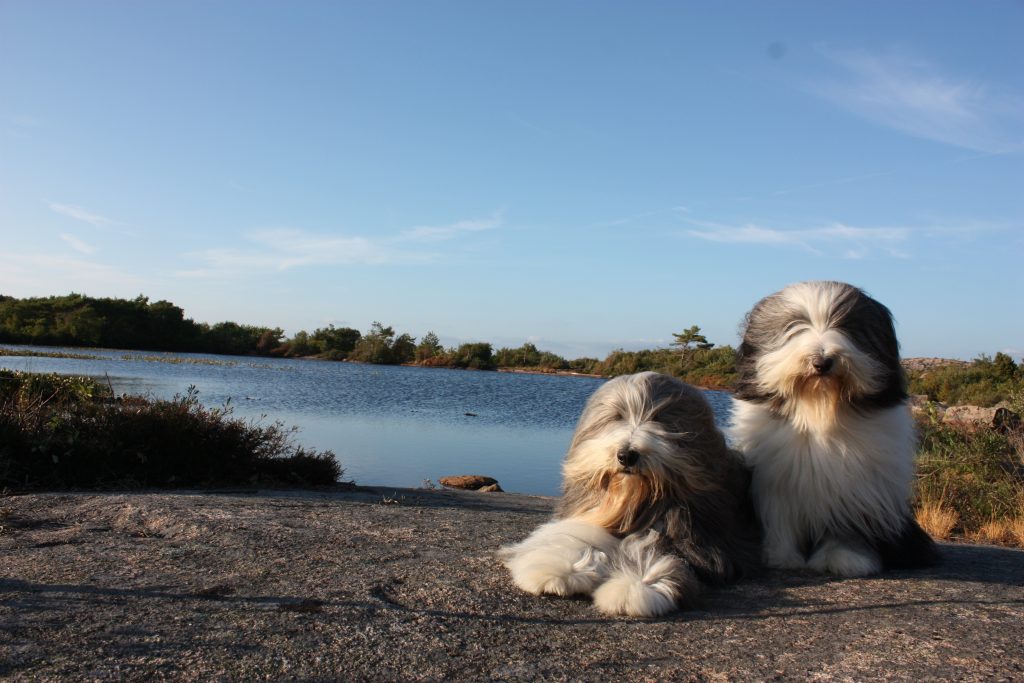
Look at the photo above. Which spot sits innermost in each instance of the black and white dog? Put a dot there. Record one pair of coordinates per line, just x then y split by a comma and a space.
822, 419
654, 504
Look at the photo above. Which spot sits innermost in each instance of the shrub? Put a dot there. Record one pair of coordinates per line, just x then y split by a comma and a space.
984, 382
476, 356
527, 356
71, 432
974, 477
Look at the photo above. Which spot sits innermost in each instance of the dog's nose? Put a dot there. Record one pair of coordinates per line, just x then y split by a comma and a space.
822, 364
628, 457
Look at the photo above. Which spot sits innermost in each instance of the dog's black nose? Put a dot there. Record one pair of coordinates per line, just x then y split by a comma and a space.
822, 364
628, 457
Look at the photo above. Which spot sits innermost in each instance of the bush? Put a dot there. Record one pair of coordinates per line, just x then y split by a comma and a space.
984, 382
527, 356
975, 477
475, 356
71, 432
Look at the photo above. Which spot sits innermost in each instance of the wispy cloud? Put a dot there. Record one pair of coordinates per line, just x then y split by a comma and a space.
846, 240
44, 271
85, 215
77, 244
284, 249
440, 233
911, 95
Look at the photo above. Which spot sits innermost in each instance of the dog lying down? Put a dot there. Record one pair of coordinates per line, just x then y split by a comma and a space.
654, 504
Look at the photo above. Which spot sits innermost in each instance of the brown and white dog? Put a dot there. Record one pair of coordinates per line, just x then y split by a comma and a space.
654, 503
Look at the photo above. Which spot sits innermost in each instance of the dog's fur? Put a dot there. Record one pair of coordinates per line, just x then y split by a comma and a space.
653, 504
822, 419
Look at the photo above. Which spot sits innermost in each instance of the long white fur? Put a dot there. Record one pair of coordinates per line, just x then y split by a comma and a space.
823, 466
643, 582
571, 556
808, 478
562, 557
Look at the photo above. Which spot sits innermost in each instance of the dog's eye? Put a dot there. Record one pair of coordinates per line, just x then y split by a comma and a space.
794, 328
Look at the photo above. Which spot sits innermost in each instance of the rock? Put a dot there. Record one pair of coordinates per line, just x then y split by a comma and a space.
491, 488
470, 482
312, 585
976, 417
920, 403
925, 364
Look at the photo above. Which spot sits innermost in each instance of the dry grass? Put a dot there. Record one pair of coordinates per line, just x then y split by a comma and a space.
970, 483
1001, 532
1017, 531
937, 519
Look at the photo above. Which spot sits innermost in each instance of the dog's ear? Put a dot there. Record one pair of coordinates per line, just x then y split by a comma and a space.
869, 324
716, 532
759, 328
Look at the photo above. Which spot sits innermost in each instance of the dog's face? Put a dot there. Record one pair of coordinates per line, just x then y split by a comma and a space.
815, 347
641, 439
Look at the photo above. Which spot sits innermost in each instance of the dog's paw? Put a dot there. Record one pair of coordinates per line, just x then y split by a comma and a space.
840, 560
544, 572
563, 557
780, 557
626, 594
643, 583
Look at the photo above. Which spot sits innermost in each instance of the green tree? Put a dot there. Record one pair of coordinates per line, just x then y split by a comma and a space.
429, 347
476, 355
691, 338
375, 345
403, 349
338, 342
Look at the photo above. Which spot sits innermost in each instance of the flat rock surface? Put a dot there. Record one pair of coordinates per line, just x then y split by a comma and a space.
386, 584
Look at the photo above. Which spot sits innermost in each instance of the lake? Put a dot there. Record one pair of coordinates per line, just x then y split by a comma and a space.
388, 425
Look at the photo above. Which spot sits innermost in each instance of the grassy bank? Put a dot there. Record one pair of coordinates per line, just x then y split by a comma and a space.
59, 432
970, 483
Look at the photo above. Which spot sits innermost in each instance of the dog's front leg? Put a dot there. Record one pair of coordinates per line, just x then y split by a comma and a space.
562, 557
644, 581
781, 533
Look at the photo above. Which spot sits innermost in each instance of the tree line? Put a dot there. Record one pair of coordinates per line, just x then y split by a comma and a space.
79, 320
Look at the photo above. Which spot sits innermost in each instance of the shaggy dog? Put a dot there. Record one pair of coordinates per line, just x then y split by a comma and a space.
653, 504
823, 422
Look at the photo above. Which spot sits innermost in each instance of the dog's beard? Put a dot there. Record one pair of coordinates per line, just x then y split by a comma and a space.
623, 501
816, 400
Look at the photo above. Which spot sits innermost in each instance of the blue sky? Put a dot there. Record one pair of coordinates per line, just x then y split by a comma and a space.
583, 175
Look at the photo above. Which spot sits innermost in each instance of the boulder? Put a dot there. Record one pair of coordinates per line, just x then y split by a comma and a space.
976, 417
470, 482
920, 403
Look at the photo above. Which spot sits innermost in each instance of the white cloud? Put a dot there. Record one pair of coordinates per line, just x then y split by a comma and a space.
910, 95
439, 233
77, 244
82, 214
282, 249
34, 272
851, 241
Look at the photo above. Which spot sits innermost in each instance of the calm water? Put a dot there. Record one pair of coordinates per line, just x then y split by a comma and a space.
387, 425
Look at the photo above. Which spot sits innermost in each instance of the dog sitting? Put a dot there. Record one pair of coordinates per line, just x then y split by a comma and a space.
822, 419
653, 504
